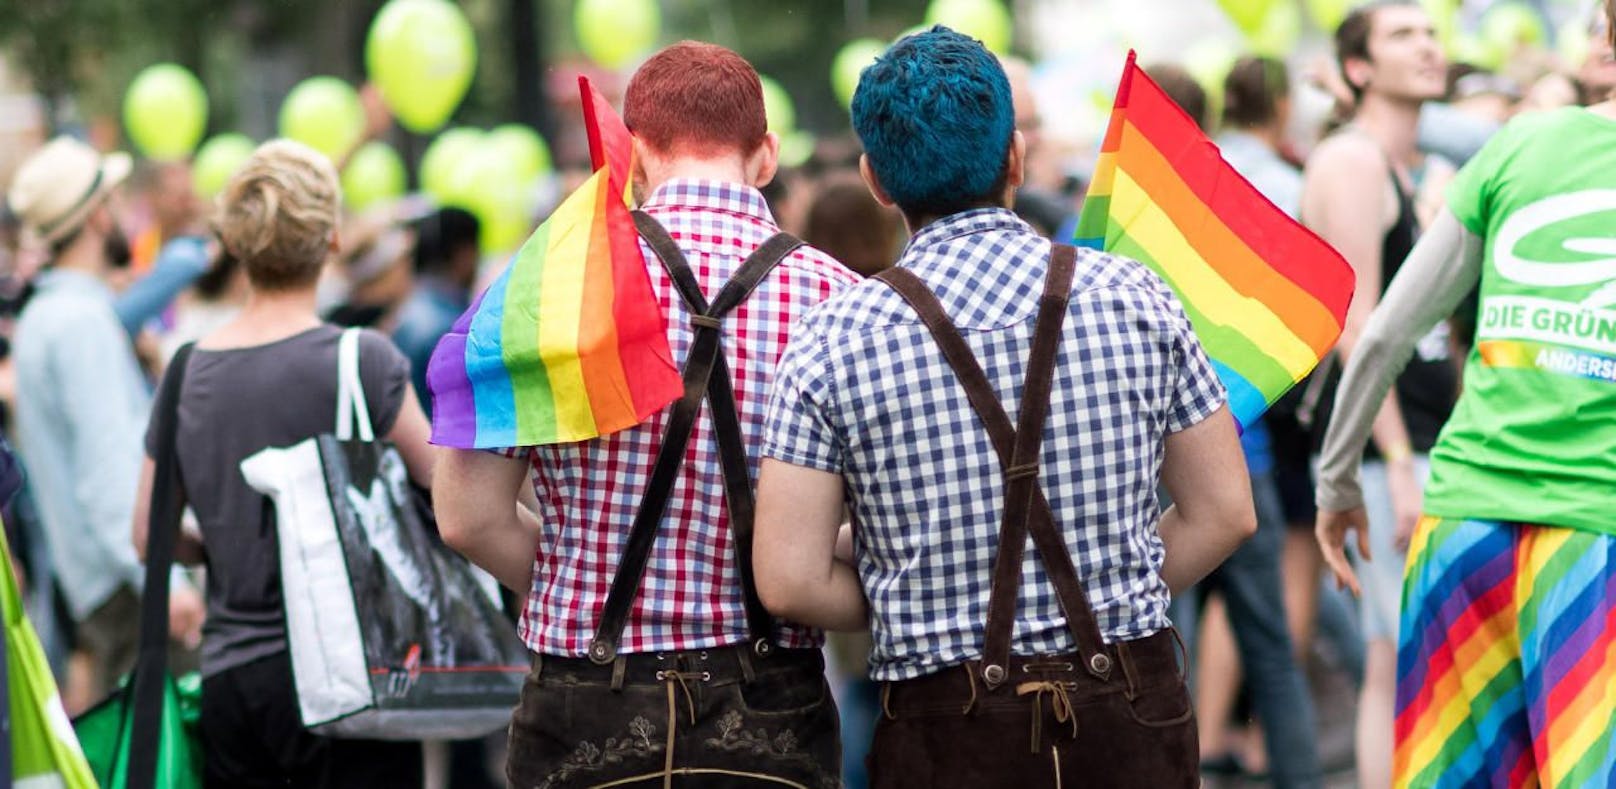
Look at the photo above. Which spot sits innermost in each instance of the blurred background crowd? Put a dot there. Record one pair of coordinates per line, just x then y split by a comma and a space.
456, 128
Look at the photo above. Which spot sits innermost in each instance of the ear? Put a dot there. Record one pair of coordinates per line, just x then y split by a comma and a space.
1357, 72
764, 162
1016, 162
637, 173
868, 174
336, 242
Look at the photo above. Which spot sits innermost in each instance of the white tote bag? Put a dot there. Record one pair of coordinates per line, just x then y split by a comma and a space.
392, 635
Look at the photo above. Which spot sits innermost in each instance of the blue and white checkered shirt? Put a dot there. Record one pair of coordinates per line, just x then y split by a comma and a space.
862, 391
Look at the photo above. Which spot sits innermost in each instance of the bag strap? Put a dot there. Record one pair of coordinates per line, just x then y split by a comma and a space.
163, 526
351, 406
706, 376
1025, 508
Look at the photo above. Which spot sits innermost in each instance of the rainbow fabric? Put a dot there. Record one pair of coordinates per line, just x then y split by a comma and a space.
1266, 296
1507, 666
570, 342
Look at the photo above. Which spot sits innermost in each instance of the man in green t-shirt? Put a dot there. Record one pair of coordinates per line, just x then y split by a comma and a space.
1507, 649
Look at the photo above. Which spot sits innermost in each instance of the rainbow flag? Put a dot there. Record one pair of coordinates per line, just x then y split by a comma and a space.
570, 342
1266, 296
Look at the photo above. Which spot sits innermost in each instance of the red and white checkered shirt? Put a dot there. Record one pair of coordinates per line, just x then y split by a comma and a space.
588, 492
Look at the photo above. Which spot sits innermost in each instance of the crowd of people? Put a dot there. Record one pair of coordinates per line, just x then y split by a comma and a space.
903, 398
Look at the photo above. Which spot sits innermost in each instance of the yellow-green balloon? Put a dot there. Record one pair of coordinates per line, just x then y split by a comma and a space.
1328, 14
421, 55
614, 33
217, 161
375, 174
1511, 26
524, 150
1573, 43
165, 111
1208, 61
444, 157
1476, 51
985, 20
796, 148
323, 113
850, 62
1248, 15
778, 107
484, 184
1279, 32
1445, 16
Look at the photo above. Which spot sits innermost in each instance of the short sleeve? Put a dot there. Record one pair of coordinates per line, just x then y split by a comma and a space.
385, 372
1198, 393
800, 427
1470, 194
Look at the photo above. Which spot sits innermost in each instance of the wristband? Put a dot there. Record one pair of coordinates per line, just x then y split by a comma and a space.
1397, 453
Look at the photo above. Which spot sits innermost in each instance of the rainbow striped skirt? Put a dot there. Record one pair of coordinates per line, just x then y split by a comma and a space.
1507, 662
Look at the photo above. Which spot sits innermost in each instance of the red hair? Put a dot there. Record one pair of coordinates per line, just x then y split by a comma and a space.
696, 99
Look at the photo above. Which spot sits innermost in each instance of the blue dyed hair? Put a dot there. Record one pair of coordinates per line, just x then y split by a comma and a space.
935, 117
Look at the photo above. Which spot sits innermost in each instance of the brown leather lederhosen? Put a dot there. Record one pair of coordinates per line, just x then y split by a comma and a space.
741, 715
1105, 715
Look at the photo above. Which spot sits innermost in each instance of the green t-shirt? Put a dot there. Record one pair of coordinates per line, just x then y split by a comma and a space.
1533, 438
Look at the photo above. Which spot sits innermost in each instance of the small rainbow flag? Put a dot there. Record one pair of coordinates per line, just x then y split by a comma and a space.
569, 343
1267, 297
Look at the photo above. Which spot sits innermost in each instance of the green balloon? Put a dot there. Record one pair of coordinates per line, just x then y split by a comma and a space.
1328, 14
484, 184
165, 111
1512, 26
375, 174
1248, 15
1279, 32
524, 150
985, 20
217, 161
323, 113
444, 158
796, 148
1467, 48
614, 33
1573, 43
850, 62
421, 54
778, 107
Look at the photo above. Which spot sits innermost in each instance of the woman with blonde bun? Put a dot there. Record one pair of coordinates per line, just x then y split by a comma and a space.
268, 379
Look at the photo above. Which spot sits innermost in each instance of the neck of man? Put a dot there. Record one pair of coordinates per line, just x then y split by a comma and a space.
728, 169
1394, 123
85, 256
1270, 134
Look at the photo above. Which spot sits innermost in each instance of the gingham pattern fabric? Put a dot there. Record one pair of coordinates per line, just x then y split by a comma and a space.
588, 492
863, 391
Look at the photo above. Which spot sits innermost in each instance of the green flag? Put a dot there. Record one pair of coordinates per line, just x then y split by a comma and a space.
45, 753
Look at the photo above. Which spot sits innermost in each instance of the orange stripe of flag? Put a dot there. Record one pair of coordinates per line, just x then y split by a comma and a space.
604, 380
1220, 245
1160, 121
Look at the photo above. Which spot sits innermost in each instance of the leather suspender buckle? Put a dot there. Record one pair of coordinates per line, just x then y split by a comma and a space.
993, 675
601, 653
706, 322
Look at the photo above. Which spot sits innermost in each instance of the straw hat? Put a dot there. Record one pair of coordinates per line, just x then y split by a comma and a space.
58, 187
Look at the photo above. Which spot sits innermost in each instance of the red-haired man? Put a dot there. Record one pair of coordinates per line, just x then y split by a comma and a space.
653, 657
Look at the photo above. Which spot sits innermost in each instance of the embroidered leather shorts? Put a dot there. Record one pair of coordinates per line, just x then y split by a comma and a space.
711, 718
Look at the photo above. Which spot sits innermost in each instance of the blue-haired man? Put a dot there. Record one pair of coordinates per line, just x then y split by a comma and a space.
1000, 664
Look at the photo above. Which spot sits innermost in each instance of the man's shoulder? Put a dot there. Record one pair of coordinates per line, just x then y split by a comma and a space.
1346, 151
64, 309
819, 266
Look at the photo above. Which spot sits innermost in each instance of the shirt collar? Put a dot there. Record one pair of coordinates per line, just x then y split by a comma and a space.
70, 280
710, 195
965, 223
